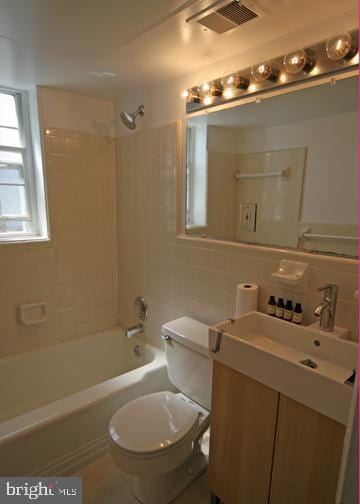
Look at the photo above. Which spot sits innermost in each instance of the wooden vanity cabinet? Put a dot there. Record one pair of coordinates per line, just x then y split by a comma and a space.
307, 456
268, 449
243, 427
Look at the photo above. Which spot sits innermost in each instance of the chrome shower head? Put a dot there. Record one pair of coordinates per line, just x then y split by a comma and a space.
130, 119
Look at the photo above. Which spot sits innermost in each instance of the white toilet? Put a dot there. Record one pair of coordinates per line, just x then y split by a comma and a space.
156, 438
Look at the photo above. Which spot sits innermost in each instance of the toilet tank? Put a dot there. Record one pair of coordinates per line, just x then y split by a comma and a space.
188, 361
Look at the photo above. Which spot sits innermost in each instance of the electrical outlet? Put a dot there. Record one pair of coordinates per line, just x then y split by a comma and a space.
248, 216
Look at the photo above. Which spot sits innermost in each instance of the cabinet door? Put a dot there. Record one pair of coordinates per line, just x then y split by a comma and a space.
307, 456
243, 425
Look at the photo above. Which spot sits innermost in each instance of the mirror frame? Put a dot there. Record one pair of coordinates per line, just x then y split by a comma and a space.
181, 172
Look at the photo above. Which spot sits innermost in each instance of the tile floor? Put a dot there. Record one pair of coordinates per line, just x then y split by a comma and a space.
104, 483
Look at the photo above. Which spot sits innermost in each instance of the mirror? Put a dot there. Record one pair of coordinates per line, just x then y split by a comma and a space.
281, 172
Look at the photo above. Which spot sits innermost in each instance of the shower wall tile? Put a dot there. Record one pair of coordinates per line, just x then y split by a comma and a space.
74, 273
189, 277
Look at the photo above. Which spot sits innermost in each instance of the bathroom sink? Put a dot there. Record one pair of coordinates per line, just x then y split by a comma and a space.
308, 365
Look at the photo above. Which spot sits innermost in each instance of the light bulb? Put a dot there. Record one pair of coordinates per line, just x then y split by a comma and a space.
264, 71
341, 47
194, 96
185, 93
216, 88
240, 82
298, 61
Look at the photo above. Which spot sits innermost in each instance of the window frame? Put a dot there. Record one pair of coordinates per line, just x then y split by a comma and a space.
33, 231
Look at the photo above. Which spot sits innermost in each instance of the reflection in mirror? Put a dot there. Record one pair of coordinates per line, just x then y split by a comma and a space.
281, 172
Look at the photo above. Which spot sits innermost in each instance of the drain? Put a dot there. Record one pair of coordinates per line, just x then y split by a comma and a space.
137, 350
309, 363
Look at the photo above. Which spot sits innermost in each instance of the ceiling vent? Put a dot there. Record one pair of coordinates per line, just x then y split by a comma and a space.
221, 16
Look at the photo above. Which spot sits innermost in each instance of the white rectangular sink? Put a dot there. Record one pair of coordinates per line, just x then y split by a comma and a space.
303, 363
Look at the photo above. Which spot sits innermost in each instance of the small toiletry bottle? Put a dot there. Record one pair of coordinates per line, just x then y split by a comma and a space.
279, 312
288, 310
297, 314
271, 307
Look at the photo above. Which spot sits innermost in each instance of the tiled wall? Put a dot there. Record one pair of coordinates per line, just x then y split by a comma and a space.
74, 273
185, 276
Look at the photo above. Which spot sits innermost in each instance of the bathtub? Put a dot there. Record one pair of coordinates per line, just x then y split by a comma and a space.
56, 402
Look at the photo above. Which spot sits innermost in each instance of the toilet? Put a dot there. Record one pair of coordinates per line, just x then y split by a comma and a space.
156, 438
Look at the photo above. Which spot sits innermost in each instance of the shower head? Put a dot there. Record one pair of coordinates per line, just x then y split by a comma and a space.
130, 119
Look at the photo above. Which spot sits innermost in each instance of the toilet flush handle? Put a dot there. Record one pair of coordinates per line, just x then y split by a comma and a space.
203, 426
165, 337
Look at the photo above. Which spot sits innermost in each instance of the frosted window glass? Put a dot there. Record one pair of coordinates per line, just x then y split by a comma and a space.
10, 137
12, 201
8, 115
12, 227
11, 175
10, 157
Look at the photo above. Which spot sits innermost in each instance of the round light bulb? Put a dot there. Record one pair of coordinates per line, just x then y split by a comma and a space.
264, 71
185, 94
240, 82
298, 61
194, 96
216, 88
340, 47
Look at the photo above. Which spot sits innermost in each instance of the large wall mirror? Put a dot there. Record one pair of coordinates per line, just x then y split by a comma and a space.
281, 172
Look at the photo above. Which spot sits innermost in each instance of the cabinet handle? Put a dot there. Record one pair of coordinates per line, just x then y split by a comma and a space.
216, 349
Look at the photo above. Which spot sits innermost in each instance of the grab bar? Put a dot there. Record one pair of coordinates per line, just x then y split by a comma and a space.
283, 173
308, 235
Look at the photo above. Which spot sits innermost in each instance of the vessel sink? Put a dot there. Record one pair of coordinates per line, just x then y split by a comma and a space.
310, 366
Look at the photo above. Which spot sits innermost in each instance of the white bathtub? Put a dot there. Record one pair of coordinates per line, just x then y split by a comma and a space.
55, 403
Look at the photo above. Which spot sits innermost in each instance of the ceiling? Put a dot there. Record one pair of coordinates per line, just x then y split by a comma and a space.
103, 48
312, 103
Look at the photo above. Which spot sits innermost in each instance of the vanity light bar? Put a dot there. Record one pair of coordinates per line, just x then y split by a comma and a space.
337, 54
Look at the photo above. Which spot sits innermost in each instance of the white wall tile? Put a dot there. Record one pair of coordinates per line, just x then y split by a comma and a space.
183, 277
75, 274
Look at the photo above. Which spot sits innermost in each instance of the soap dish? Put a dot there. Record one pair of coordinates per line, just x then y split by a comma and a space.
292, 274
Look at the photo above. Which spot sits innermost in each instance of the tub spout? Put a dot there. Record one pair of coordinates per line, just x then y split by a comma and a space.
134, 330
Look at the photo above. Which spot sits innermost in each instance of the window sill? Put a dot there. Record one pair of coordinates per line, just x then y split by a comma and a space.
196, 226
12, 240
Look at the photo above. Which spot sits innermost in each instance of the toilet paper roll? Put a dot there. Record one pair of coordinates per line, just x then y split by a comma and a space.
246, 298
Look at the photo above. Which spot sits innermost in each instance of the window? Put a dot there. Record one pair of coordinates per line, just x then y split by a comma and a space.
196, 176
19, 206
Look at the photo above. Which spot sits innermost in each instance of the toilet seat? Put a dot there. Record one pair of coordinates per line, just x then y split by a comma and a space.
153, 423
154, 434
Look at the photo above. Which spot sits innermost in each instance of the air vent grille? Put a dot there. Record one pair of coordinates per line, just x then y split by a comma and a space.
237, 13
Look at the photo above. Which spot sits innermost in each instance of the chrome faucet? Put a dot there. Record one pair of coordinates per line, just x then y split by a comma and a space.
327, 308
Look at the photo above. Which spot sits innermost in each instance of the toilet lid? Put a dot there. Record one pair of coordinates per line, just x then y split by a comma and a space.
152, 422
